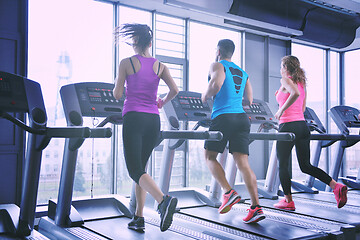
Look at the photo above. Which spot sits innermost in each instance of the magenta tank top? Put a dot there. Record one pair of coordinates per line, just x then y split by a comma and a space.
141, 88
295, 111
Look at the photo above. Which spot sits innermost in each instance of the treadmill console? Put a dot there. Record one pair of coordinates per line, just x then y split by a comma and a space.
258, 112
189, 107
313, 121
12, 93
345, 117
92, 99
97, 95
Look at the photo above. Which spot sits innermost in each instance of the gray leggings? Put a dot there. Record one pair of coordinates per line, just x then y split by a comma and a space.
140, 135
302, 146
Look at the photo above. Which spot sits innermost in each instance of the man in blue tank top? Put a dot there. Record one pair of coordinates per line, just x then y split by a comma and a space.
227, 84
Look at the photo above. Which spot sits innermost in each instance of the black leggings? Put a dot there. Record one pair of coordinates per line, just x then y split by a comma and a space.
140, 135
302, 146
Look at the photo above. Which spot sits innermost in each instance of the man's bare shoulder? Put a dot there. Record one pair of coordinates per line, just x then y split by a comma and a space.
216, 66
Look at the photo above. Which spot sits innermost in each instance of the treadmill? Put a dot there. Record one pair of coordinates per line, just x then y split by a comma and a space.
194, 207
320, 140
21, 95
311, 183
347, 117
104, 217
323, 204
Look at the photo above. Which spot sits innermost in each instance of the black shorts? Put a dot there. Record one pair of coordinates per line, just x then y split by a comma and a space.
235, 128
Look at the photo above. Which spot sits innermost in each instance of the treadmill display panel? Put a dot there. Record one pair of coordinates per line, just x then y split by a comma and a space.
91, 99
349, 115
255, 108
4, 87
188, 106
258, 112
192, 103
97, 95
12, 93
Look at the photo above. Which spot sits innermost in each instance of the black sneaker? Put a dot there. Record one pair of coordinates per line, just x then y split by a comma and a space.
167, 209
137, 224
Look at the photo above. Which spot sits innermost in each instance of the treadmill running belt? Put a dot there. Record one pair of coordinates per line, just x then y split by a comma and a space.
266, 228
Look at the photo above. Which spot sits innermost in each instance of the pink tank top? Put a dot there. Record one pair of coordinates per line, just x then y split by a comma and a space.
295, 111
141, 88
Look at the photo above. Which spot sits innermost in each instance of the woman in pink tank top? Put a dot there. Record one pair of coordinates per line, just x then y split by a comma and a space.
141, 125
292, 103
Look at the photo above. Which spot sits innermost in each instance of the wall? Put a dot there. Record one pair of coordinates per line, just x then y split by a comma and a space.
13, 49
262, 63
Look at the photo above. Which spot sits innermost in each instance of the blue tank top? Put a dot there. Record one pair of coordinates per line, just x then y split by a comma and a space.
229, 98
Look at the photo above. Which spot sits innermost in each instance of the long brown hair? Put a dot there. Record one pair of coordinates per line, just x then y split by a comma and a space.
292, 66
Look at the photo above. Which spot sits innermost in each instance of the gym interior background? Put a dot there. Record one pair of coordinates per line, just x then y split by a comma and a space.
65, 41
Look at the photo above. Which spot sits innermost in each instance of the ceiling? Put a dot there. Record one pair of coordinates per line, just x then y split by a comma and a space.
317, 21
333, 24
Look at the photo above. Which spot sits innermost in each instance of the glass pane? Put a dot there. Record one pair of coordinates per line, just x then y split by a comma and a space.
127, 15
171, 53
170, 20
174, 46
199, 173
176, 72
312, 61
170, 36
176, 28
72, 44
203, 41
131, 15
352, 71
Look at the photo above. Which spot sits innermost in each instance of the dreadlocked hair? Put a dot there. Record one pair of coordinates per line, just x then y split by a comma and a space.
141, 34
292, 65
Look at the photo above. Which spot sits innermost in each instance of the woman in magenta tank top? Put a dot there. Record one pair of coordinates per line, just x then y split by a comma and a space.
141, 74
292, 103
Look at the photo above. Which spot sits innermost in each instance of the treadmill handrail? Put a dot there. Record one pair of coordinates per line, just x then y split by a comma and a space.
188, 134
100, 132
68, 132
282, 136
182, 135
325, 136
21, 124
56, 132
353, 137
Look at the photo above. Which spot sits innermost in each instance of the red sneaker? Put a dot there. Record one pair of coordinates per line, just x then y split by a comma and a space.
283, 204
340, 192
254, 215
228, 201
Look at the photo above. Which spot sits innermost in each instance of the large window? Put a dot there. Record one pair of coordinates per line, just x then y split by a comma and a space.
71, 41
352, 72
203, 41
169, 36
